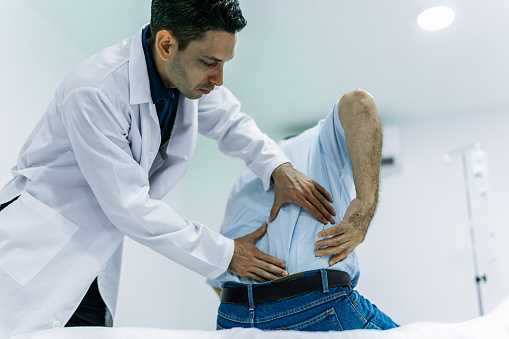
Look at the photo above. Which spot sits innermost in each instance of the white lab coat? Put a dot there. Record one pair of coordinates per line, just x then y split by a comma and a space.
92, 171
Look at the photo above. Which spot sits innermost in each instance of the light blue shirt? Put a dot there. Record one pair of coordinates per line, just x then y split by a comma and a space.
319, 152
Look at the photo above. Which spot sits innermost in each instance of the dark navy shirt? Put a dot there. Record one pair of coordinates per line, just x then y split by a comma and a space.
165, 99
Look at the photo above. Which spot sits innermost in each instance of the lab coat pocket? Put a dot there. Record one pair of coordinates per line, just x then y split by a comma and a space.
31, 234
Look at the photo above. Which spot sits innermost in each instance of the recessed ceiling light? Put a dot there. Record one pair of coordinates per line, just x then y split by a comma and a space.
435, 18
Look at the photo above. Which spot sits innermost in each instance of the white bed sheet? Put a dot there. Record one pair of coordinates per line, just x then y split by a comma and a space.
494, 325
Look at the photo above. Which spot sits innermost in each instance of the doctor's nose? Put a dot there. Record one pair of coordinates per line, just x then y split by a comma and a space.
217, 77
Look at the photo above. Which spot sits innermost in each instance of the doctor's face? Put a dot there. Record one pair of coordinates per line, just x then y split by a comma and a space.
196, 70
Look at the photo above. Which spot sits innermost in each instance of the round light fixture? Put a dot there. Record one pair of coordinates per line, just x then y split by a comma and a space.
435, 18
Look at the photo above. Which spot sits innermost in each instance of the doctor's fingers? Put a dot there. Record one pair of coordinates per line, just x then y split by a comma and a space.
318, 208
324, 193
316, 200
253, 267
274, 211
325, 199
312, 197
258, 233
269, 263
265, 272
259, 278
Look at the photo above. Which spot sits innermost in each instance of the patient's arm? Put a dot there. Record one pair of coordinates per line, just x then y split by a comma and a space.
363, 133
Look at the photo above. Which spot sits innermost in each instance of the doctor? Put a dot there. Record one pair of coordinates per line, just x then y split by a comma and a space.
116, 138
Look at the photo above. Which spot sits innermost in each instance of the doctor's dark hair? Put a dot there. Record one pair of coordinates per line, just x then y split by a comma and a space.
189, 20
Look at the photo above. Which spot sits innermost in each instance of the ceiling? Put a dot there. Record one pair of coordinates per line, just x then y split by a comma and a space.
334, 46
296, 57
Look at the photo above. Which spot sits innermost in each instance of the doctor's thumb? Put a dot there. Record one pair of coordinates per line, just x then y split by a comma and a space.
274, 212
259, 232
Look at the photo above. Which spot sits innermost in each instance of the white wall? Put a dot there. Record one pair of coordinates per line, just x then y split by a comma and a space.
34, 57
416, 262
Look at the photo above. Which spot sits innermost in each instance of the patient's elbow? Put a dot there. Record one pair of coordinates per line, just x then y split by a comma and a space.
358, 104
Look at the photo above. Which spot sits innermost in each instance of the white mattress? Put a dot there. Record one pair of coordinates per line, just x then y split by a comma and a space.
494, 325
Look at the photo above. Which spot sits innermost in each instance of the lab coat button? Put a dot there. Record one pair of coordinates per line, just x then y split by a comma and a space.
103, 267
56, 324
151, 155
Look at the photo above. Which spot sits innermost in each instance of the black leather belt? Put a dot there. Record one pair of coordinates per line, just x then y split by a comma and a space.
287, 287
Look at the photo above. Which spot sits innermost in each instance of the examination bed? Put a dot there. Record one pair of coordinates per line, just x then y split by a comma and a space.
491, 326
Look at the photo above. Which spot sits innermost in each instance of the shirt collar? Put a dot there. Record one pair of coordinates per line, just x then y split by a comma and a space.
158, 90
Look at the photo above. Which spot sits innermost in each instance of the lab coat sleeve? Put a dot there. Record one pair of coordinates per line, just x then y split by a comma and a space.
220, 118
98, 131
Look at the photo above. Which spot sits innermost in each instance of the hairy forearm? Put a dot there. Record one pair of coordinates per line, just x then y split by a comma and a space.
363, 133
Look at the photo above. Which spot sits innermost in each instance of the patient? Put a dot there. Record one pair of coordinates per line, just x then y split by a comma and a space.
319, 294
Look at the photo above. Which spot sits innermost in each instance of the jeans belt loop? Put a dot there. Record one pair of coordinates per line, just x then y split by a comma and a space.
325, 281
250, 297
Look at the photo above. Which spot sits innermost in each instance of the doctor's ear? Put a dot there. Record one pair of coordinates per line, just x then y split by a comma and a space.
166, 45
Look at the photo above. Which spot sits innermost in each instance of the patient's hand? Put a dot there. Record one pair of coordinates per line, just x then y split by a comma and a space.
349, 233
292, 186
248, 261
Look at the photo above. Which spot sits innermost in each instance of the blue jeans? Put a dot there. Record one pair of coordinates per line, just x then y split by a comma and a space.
334, 309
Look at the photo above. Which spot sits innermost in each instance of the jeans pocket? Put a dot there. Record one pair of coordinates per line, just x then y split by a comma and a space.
31, 234
325, 321
354, 297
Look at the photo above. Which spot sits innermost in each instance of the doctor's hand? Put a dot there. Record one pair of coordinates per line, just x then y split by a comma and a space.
248, 261
292, 186
349, 233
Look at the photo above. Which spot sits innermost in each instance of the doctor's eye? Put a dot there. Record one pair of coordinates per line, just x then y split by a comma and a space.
207, 64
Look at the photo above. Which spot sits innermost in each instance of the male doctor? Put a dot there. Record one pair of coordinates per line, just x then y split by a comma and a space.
116, 138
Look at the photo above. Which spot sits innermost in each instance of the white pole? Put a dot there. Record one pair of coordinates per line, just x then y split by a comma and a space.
463, 151
478, 278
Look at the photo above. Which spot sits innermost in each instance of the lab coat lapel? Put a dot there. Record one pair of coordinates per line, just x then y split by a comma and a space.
179, 151
150, 135
139, 90
183, 140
